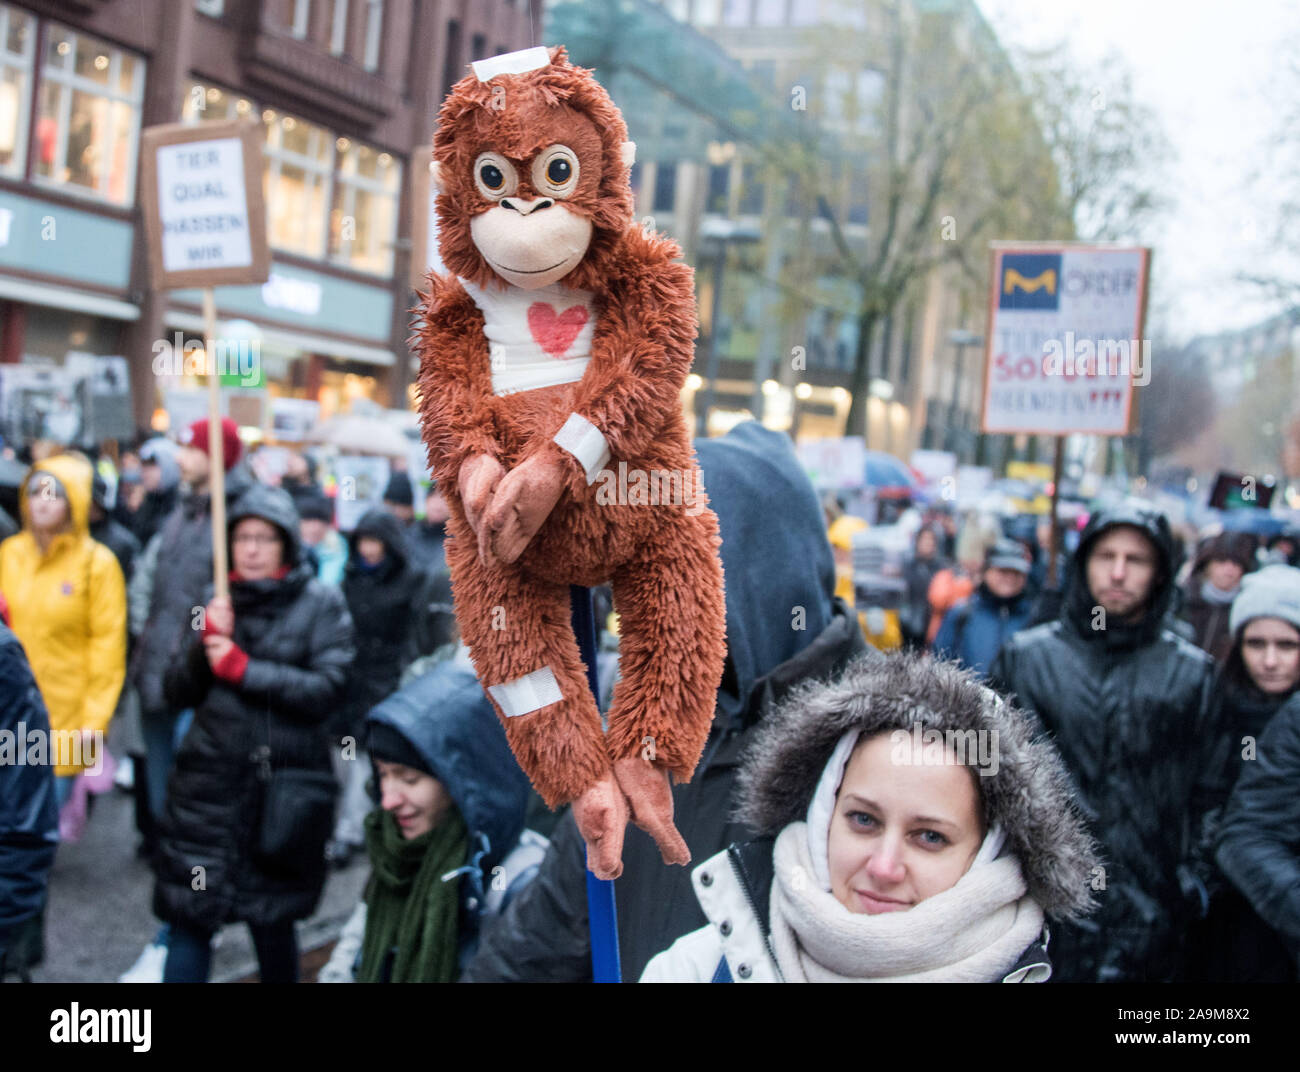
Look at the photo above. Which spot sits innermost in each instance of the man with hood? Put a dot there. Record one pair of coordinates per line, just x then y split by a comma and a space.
783, 626
1221, 563
452, 800
383, 593
1129, 704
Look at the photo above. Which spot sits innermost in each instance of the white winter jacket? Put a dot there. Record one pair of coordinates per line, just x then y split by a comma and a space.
732, 888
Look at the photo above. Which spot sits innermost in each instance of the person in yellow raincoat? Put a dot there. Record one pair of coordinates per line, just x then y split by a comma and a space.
66, 601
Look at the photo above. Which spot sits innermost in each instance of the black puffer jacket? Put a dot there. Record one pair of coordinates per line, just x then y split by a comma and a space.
1130, 710
298, 638
183, 570
29, 819
1259, 840
384, 603
772, 566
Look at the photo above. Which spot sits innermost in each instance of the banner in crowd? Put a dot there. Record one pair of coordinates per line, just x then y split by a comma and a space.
1064, 346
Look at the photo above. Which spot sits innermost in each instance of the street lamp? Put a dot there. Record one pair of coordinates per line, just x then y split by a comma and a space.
961, 339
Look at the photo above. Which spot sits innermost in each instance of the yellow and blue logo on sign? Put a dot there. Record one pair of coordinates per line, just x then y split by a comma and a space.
1030, 281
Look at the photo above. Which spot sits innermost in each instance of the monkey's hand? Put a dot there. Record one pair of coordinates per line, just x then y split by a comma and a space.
477, 482
651, 799
601, 815
523, 501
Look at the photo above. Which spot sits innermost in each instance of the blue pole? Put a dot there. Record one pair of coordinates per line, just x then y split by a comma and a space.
602, 915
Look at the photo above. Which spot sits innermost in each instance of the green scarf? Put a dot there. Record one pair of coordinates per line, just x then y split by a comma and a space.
408, 906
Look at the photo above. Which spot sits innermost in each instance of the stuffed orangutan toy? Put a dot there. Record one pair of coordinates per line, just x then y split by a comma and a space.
552, 354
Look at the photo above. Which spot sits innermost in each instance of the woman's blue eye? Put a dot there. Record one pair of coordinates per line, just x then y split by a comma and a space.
860, 818
938, 838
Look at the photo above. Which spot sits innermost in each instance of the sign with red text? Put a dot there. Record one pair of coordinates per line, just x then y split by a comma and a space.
1065, 345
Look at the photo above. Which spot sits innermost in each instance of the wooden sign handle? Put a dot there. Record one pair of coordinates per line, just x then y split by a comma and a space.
216, 451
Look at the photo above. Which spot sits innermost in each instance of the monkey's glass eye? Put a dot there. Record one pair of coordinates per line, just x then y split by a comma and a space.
494, 176
555, 171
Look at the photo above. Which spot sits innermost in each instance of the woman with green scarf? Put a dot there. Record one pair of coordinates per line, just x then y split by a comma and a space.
446, 844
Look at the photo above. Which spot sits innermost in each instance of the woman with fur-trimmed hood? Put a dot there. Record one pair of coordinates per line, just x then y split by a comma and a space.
912, 830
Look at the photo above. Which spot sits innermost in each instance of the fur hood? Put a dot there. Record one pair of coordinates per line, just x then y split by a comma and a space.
1028, 791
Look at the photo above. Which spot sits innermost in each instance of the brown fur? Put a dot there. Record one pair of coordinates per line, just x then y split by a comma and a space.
662, 562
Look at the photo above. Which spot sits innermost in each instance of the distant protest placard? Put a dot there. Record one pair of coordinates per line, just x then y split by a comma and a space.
1065, 344
201, 196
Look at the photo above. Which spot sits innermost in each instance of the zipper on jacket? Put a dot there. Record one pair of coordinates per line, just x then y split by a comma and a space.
738, 871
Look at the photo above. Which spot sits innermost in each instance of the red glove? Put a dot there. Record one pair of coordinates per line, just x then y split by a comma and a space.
227, 659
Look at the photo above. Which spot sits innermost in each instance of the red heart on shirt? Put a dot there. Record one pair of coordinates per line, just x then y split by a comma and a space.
555, 333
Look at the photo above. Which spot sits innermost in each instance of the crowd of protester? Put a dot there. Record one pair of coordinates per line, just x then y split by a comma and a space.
1133, 818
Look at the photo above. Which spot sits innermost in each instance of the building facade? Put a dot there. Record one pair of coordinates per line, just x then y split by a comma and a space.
346, 92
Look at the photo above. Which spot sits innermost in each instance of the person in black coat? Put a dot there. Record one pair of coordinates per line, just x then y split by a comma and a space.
117, 538
918, 573
1261, 674
251, 799
783, 626
1129, 705
1259, 840
29, 818
384, 593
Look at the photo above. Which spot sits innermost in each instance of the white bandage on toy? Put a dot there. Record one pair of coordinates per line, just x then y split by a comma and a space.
585, 442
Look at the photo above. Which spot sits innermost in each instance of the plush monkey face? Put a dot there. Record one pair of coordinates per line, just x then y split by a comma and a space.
532, 174
535, 225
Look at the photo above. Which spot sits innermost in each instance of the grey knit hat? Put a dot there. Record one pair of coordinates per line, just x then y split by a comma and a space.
1028, 792
1273, 592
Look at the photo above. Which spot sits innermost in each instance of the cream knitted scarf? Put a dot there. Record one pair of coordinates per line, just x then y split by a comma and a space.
971, 933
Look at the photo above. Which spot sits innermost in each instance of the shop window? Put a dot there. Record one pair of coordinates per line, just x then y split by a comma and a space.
299, 160
770, 13
208, 103
212, 8
363, 217
17, 48
301, 18
665, 186
735, 12
719, 186
88, 116
374, 33
339, 28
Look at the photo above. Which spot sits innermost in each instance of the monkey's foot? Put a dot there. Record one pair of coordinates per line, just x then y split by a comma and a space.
651, 798
601, 815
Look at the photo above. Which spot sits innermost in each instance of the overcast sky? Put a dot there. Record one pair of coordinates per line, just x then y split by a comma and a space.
1213, 72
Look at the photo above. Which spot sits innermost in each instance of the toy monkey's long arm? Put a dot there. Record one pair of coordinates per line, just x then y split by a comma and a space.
456, 393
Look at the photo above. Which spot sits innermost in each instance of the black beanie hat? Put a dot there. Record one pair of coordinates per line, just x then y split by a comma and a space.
399, 491
389, 745
316, 508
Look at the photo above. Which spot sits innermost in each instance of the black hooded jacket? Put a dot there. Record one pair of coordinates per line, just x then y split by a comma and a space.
783, 627
447, 718
298, 638
1129, 706
1259, 841
385, 602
